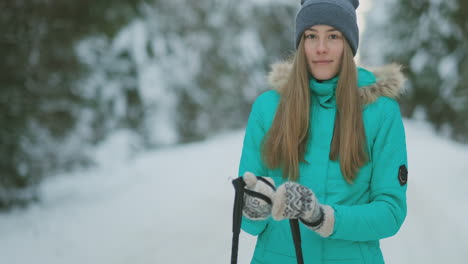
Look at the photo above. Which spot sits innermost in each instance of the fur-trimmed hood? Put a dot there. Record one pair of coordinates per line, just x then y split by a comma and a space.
390, 81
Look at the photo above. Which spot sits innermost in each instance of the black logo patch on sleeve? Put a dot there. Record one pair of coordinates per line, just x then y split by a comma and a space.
403, 175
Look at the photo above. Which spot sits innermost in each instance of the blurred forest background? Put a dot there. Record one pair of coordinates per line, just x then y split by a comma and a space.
75, 72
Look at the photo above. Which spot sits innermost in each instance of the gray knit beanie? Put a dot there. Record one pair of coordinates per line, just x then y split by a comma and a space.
340, 14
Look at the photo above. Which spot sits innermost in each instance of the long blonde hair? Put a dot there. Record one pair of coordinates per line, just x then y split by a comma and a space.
285, 144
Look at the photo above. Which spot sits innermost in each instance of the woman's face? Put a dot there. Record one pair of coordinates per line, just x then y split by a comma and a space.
324, 51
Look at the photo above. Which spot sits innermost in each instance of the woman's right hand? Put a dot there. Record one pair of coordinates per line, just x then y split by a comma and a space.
258, 196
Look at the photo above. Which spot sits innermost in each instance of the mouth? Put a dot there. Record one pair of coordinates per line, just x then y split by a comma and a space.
322, 62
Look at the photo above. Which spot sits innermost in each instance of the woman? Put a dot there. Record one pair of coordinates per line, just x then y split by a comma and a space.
331, 138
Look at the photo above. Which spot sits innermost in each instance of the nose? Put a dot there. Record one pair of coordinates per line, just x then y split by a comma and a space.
322, 46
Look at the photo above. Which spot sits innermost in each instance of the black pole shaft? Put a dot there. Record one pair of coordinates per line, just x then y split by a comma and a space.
235, 244
237, 217
296, 234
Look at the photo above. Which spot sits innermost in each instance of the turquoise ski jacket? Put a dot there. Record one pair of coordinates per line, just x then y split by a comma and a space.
372, 208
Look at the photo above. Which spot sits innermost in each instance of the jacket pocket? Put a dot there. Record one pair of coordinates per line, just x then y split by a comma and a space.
271, 257
275, 240
342, 250
371, 252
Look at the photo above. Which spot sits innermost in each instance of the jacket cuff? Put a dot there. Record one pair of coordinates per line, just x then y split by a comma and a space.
325, 228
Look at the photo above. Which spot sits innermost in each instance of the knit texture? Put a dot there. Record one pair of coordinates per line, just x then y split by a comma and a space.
340, 14
256, 208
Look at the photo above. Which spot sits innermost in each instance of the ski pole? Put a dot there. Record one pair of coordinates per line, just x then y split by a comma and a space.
237, 217
239, 185
296, 234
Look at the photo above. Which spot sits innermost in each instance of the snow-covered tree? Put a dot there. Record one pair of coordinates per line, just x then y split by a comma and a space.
168, 71
430, 38
41, 104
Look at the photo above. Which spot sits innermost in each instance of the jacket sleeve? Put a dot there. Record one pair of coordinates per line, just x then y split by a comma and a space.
251, 160
385, 213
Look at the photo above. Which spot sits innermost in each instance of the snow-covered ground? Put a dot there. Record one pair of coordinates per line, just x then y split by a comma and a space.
174, 206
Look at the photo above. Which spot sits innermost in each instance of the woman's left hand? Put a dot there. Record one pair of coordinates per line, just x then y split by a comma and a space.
293, 200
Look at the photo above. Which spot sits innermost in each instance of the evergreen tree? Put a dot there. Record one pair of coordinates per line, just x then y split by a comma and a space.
218, 59
171, 71
39, 99
430, 38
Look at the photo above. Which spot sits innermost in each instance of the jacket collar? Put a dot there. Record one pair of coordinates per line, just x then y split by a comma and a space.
389, 81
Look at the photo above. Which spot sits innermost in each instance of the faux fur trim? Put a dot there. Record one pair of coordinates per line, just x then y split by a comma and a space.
326, 228
390, 81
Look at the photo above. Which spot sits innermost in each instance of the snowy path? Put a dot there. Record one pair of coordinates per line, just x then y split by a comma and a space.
174, 206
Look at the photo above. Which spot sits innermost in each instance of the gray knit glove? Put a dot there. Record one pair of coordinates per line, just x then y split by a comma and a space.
256, 208
293, 200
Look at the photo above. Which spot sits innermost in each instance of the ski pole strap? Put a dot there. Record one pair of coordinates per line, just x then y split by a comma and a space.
259, 196
237, 216
260, 178
296, 234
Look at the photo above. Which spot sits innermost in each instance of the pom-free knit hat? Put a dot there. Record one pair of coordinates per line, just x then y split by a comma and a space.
340, 14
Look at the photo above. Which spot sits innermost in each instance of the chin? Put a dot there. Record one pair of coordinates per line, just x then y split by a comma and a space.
323, 73
322, 76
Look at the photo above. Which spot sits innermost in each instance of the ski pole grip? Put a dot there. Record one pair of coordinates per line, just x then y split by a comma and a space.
239, 185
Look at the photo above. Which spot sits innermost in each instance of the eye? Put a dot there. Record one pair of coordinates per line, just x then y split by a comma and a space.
334, 36
310, 36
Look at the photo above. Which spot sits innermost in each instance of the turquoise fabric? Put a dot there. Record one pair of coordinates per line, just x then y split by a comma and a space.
372, 208
325, 90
